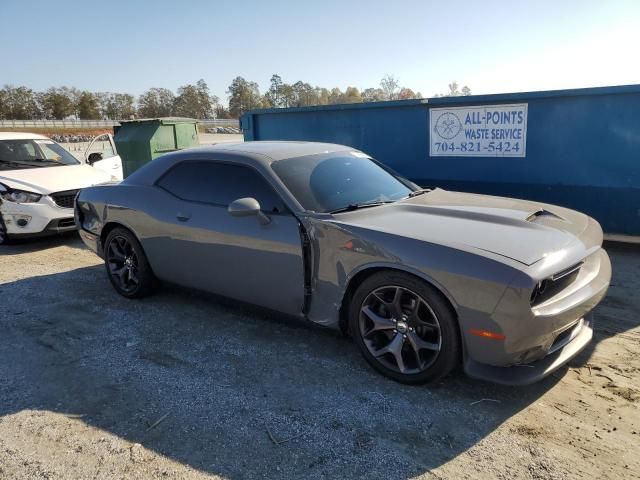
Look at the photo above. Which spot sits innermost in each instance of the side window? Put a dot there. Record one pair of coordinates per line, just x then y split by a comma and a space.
219, 184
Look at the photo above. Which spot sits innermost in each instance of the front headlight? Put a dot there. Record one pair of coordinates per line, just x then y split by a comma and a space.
20, 196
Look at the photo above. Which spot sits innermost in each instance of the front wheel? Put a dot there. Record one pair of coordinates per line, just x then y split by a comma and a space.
404, 327
4, 236
127, 265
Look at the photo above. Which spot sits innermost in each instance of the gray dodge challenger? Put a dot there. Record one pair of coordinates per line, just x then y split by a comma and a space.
422, 279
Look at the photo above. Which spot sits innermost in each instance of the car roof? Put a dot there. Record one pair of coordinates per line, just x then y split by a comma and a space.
21, 136
272, 151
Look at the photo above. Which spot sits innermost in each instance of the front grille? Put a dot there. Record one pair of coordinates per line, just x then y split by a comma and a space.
64, 199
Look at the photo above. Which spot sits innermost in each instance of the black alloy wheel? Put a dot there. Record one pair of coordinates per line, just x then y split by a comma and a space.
400, 329
404, 328
127, 265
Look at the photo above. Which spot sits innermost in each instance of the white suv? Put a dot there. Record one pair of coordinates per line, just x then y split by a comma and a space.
39, 180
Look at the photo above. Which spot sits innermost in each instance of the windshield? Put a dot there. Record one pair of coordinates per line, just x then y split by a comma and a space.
33, 153
333, 181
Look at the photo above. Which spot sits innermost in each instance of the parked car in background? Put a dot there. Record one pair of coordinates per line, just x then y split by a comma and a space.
39, 180
423, 279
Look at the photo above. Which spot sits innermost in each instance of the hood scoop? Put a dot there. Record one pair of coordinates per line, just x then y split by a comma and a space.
541, 214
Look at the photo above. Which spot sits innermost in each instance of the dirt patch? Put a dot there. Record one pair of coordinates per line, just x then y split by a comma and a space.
629, 394
528, 431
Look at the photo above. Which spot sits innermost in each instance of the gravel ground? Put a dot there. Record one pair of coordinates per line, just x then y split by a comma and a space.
186, 385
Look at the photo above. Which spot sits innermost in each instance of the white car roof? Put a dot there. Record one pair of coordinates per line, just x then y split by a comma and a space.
21, 136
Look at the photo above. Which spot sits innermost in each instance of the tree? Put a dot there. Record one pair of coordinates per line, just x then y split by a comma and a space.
454, 91
119, 106
102, 99
243, 96
156, 102
222, 112
289, 98
56, 103
304, 94
373, 95
322, 94
275, 95
352, 95
335, 96
407, 93
4, 107
390, 86
74, 95
88, 106
195, 101
19, 103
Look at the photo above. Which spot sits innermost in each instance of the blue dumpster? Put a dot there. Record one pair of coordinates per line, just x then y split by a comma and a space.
577, 148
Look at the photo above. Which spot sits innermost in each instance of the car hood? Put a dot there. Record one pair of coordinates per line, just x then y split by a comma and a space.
47, 180
521, 230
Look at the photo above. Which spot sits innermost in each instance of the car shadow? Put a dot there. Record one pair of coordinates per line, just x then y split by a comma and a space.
231, 390
20, 246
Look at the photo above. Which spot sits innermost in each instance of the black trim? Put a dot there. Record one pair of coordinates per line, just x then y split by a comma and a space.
307, 266
64, 197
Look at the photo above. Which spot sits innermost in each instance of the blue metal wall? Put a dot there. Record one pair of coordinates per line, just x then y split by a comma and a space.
583, 147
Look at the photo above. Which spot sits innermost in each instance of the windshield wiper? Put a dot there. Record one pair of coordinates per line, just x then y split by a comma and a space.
415, 193
44, 160
357, 206
26, 163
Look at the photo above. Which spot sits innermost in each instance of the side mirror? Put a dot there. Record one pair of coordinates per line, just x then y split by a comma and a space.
245, 207
94, 157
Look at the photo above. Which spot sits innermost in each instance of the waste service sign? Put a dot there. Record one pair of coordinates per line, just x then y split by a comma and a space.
483, 131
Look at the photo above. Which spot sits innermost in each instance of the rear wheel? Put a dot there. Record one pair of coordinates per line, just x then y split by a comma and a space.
127, 265
404, 327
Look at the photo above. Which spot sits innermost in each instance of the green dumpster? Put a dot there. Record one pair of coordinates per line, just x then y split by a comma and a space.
140, 141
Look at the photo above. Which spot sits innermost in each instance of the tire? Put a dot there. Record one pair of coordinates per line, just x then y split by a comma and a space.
412, 336
4, 237
126, 264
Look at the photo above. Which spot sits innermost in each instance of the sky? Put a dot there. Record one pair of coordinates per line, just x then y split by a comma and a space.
491, 46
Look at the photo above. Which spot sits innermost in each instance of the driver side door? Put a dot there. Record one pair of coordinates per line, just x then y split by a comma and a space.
199, 244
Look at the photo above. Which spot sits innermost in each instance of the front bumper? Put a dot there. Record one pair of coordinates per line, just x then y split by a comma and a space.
537, 340
525, 374
42, 218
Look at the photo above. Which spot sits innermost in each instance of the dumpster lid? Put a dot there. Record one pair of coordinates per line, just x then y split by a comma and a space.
162, 120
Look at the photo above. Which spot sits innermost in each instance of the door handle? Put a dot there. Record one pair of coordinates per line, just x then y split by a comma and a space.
183, 217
